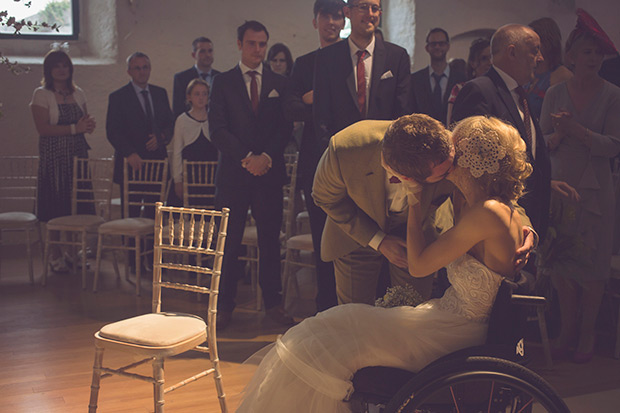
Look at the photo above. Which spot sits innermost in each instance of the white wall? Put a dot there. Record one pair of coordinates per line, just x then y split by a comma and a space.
164, 30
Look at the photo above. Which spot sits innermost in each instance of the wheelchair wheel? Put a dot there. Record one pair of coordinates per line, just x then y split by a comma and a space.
476, 384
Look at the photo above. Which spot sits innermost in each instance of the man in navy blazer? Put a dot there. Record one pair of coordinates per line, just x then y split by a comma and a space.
328, 21
338, 93
424, 81
247, 125
515, 51
139, 123
202, 52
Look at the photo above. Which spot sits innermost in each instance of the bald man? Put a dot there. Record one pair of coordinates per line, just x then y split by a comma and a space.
515, 51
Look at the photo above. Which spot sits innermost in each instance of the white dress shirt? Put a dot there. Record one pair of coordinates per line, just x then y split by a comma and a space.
443, 82
370, 50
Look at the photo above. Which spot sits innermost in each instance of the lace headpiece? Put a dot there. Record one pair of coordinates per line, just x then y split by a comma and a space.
481, 152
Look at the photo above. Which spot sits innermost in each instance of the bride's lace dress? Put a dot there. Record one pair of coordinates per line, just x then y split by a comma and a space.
309, 369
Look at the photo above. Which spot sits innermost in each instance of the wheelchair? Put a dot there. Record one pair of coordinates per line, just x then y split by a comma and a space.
488, 378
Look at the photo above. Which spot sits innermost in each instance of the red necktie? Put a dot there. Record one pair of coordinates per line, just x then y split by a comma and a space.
526, 116
254, 91
361, 83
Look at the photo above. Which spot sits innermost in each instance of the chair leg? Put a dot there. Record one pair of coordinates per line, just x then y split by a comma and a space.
98, 261
46, 257
285, 277
544, 336
115, 265
217, 374
29, 255
617, 348
158, 385
94, 387
138, 264
41, 245
83, 259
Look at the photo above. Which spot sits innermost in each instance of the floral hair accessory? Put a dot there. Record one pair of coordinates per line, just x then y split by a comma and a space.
481, 152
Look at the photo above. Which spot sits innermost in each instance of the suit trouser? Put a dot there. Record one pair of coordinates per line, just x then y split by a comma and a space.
266, 203
357, 274
325, 279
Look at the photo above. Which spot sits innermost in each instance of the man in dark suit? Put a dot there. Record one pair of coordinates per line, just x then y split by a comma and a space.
328, 21
515, 51
203, 55
431, 86
360, 78
139, 122
246, 121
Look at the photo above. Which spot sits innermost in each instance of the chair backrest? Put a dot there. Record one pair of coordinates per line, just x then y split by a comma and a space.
199, 184
145, 186
198, 232
18, 183
92, 186
289, 192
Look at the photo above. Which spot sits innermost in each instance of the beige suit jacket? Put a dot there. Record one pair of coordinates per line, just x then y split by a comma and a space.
349, 185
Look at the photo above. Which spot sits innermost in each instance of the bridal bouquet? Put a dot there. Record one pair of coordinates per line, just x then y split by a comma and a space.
399, 296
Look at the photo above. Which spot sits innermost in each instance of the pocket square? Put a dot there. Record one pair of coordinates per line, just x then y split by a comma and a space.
387, 75
273, 94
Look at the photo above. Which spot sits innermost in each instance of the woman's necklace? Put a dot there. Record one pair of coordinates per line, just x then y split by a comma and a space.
65, 94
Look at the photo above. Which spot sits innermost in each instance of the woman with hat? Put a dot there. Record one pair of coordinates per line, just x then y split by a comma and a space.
581, 123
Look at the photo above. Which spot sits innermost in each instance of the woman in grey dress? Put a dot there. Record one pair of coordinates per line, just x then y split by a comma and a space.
581, 123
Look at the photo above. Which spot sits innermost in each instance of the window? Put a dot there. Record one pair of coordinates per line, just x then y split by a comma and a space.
63, 13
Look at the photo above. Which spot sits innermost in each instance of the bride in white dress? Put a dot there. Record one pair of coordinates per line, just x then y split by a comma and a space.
309, 369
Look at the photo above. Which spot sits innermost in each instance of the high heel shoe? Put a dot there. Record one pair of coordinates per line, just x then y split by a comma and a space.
582, 358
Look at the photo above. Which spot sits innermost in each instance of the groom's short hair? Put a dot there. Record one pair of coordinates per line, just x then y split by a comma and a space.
413, 144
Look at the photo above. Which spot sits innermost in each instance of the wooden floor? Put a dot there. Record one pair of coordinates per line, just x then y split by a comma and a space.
46, 347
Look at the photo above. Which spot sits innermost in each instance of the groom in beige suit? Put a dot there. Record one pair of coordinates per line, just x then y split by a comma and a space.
367, 207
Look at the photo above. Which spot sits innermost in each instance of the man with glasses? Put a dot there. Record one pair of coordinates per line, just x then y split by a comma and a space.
360, 78
328, 21
431, 86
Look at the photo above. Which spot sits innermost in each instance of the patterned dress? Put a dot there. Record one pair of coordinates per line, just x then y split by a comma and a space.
56, 155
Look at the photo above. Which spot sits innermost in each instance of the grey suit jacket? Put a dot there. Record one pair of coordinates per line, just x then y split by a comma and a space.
349, 185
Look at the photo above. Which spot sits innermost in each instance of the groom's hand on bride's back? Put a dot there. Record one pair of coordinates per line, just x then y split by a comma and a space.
530, 242
395, 250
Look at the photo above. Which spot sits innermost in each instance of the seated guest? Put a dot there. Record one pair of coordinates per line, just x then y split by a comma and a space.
581, 125
280, 59
202, 52
478, 63
550, 71
309, 369
191, 139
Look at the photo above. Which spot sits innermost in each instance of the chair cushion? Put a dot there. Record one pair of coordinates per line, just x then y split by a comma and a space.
250, 236
16, 219
301, 242
76, 221
156, 329
128, 226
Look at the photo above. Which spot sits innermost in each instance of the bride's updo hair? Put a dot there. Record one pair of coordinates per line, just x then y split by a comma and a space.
494, 154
